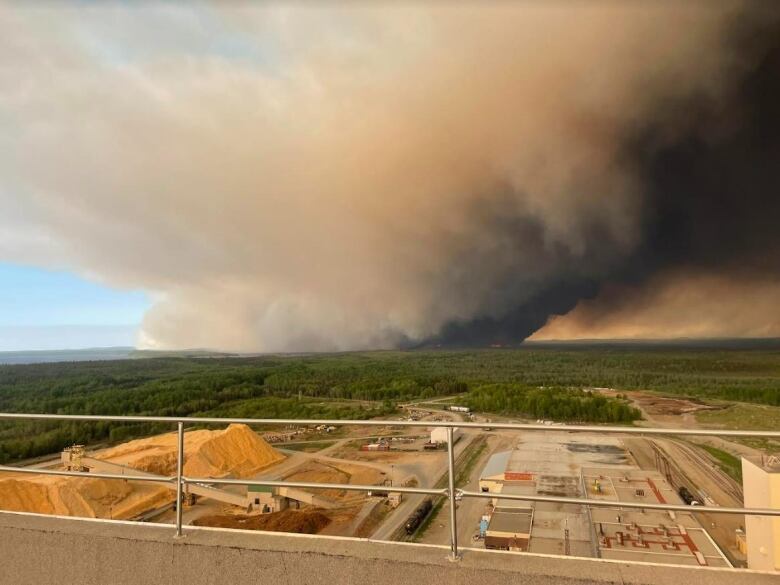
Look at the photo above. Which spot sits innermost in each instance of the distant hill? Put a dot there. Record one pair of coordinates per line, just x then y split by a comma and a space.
65, 355
184, 353
97, 354
122, 353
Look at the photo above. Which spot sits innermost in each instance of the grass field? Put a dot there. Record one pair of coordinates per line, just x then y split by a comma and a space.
740, 415
730, 464
308, 447
744, 416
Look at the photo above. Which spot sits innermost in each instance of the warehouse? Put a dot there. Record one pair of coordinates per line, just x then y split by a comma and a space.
509, 526
439, 435
546, 465
510, 529
492, 478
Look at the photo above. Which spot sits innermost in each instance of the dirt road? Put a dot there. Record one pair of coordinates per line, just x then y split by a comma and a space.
428, 475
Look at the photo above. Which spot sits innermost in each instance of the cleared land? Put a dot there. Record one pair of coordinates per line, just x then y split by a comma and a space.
745, 416
304, 522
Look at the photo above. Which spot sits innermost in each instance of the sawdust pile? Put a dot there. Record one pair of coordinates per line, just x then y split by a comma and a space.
87, 497
235, 451
301, 521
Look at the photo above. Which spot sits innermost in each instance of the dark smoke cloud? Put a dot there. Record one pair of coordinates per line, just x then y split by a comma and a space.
709, 172
317, 176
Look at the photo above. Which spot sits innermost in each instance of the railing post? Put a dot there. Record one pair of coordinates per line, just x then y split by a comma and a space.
453, 514
179, 484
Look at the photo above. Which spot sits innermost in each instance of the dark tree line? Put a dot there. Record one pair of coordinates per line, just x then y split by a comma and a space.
538, 382
562, 404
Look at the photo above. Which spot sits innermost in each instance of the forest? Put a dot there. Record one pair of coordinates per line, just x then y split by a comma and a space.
566, 404
536, 382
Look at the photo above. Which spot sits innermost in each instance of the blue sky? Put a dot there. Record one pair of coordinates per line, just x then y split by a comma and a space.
46, 309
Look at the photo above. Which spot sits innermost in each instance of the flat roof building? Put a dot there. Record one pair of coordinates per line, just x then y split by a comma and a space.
761, 485
653, 536
588, 466
510, 529
439, 435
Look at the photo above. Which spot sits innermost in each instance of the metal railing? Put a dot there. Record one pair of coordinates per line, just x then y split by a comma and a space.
450, 492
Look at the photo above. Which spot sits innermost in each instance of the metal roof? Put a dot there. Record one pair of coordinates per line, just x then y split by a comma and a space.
496, 465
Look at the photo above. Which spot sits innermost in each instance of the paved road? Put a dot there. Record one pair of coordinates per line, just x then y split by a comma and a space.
469, 510
429, 473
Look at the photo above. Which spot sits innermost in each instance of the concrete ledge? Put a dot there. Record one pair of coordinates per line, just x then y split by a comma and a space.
47, 550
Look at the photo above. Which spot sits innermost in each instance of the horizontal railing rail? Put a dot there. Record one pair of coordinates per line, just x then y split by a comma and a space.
451, 492
576, 428
317, 485
619, 504
38, 471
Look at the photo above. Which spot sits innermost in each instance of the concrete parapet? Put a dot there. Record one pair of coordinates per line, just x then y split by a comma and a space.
47, 550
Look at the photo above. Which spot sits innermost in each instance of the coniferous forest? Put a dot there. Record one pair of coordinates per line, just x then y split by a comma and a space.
536, 382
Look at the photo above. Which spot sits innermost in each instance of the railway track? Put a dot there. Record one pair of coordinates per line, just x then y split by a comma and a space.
687, 461
707, 464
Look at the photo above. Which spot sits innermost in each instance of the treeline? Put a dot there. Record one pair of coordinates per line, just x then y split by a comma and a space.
561, 404
322, 386
25, 439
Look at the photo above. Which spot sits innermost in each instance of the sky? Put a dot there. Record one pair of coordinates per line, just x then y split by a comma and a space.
336, 176
46, 309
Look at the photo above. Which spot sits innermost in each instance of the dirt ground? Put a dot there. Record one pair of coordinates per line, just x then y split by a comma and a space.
300, 521
340, 519
352, 452
329, 472
663, 410
373, 520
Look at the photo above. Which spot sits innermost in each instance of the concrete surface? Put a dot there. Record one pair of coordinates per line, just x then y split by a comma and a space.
45, 550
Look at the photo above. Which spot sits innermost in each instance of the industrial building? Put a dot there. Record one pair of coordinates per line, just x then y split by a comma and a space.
574, 465
509, 526
265, 499
761, 484
439, 435
632, 534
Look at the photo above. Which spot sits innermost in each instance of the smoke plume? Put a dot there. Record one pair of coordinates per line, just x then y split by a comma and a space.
323, 177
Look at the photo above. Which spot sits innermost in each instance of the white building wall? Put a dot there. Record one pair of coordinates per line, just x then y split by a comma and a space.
762, 490
439, 435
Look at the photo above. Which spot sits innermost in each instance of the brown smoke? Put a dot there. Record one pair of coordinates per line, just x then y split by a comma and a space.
327, 177
671, 306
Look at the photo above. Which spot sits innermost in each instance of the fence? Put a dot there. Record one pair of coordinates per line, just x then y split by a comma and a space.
450, 491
